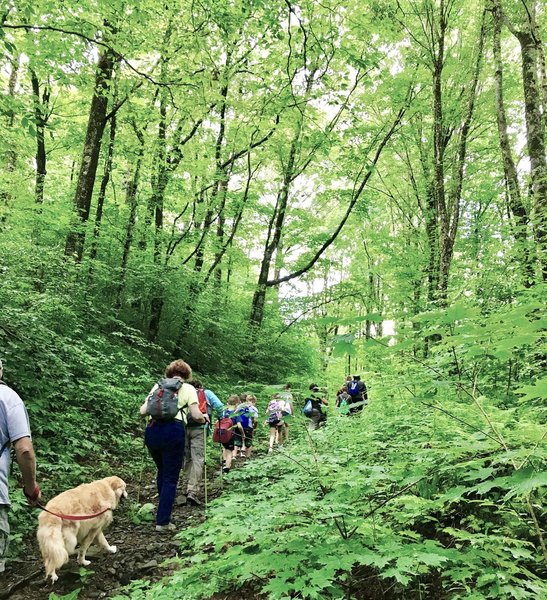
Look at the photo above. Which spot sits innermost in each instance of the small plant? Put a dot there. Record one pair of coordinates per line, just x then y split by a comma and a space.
142, 514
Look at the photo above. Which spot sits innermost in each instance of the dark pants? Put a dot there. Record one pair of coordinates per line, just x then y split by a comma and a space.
165, 442
317, 418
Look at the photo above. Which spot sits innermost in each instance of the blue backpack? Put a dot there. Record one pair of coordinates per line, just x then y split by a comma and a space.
353, 389
244, 418
308, 408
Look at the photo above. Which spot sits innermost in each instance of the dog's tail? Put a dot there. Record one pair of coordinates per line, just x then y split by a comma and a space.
52, 545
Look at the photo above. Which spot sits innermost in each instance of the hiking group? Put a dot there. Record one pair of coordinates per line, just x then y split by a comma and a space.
182, 412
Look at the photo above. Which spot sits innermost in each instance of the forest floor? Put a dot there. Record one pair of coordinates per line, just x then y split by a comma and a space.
141, 553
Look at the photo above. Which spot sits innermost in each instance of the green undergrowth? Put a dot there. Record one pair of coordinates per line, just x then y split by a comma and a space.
398, 503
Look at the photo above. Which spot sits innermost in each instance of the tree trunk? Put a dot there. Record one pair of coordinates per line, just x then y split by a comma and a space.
74, 245
158, 197
40, 118
536, 143
440, 142
274, 236
131, 202
449, 205
102, 191
11, 155
515, 203
432, 233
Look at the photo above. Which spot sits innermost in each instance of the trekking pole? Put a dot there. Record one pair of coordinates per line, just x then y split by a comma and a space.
143, 454
221, 467
205, 464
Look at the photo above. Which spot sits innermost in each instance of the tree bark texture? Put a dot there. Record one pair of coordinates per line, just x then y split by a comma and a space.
132, 202
515, 203
40, 118
536, 142
75, 240
102, 190
274, 235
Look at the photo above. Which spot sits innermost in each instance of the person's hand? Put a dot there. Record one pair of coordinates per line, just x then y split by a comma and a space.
33, 497
207, 418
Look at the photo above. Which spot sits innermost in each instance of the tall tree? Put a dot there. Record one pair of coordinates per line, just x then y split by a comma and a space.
526, 32
41, 116
515, 201
74, 246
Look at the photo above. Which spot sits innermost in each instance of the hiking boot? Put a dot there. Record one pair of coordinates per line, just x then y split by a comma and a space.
192, 500
168, 527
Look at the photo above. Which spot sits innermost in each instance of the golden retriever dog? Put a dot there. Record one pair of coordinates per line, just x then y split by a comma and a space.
59, 537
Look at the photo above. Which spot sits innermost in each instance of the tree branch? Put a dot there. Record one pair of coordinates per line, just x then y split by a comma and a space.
356, 195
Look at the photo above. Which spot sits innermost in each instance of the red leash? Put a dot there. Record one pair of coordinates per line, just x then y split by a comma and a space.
36, 494
72, 517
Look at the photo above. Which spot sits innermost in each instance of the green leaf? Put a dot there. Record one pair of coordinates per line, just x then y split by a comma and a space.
538, 389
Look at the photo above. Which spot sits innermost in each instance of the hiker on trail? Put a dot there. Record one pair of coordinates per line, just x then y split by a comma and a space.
287, 409
165, 437
342, 400
194, 450
248, 415
313, 407
358, 395
230, 412
274, 420
240, 441
14, 429
253, 411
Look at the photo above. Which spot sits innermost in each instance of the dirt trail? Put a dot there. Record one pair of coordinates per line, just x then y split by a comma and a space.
141, 551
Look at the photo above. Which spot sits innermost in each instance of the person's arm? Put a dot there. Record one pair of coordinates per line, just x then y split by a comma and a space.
216, 405
196, 414
142, 409
24, 454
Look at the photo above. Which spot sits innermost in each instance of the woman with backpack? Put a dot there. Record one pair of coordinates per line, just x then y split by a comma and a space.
274, 420
167, 405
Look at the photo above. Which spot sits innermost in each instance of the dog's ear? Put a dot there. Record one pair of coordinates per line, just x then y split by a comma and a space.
118, 485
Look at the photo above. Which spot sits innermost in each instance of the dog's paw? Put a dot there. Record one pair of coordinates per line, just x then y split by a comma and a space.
84, 562
112, 549
54, 577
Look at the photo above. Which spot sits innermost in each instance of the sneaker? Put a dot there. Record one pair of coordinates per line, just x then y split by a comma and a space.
168, 527
270, 450
225, 470
192, 501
